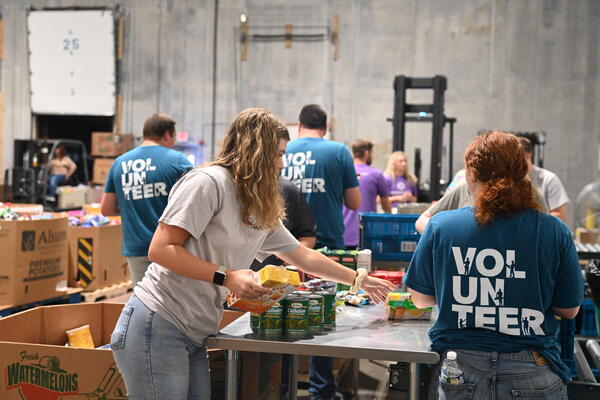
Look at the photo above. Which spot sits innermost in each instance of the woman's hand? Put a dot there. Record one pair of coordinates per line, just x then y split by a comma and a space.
377, 288
241, 282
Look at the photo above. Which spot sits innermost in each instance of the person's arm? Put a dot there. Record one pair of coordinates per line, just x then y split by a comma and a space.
568, 288
167, 249
352, 198
568, 313
308, 241
560, 213
421, 300
422, 221
109, 205
317, 264
386, 205
71, 166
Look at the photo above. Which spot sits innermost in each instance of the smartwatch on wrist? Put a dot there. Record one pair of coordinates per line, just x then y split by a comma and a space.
220, 276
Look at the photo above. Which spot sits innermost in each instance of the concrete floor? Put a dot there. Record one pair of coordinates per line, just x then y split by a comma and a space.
372, 377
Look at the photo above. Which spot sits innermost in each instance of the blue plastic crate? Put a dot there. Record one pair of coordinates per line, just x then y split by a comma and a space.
390, 237
588, 318
377, 225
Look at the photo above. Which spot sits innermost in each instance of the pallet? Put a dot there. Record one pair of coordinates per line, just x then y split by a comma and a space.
107, 292
71, 296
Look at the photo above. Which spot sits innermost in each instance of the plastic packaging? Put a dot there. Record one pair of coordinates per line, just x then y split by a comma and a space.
451, 372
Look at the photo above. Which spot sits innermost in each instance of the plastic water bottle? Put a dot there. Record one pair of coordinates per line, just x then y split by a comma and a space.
450, 372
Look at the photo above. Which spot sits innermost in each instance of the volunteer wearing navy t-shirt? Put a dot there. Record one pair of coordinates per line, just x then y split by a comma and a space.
504, 275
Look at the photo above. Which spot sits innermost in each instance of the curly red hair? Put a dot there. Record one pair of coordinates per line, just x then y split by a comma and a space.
496, 159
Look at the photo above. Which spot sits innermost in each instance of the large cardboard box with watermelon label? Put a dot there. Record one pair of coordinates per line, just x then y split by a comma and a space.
36, 364
34, 260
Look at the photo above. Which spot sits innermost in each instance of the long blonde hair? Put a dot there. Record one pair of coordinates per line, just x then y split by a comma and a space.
390, 169
249, 152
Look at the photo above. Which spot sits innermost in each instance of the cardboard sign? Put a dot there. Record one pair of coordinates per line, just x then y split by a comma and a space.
34, 260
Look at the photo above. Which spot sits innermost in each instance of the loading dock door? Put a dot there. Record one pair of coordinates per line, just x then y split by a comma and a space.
72, 62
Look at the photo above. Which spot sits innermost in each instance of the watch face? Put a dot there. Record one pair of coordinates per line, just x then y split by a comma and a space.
219, 278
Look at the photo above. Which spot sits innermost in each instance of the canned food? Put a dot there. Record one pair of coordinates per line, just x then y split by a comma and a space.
328, 309
254, 322
296, 316
271, 321
315, 313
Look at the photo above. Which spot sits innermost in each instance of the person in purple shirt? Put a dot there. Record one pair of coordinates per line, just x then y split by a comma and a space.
371, 183
402, 184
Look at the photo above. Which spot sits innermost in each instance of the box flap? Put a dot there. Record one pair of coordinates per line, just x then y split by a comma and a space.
59, 319
23, 327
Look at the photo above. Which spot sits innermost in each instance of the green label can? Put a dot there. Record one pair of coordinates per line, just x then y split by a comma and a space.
315, 313
271, 321
254, 322
328, 309
296, 315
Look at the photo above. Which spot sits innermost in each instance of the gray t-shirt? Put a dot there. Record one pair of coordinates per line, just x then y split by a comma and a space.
550, 186
459, 197
204, 203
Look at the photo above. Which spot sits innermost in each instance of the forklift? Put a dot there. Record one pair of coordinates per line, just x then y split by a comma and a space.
27, 180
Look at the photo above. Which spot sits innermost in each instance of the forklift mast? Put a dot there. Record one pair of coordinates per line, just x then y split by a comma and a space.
434, 113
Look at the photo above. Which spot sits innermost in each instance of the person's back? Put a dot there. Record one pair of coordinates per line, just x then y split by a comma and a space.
137, 188
500, 272
142, 179
323, 170
372, 184
520, 257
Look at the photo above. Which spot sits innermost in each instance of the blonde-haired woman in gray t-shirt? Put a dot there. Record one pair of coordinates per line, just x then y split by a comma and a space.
219, 218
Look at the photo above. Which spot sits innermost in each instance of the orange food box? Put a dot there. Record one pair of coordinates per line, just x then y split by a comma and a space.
281, 281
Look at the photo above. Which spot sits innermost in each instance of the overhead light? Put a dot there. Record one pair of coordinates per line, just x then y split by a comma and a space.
243, 18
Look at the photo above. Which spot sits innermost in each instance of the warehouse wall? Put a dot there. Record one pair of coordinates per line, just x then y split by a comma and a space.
510, 64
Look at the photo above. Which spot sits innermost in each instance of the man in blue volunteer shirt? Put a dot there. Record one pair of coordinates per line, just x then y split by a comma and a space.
137, 187
324, 172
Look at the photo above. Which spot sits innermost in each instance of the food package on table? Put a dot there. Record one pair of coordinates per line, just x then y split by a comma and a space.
401, 306
281, 282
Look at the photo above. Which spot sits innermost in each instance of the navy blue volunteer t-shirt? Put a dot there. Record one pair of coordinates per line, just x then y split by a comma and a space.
322, 170
142, 179
495, 286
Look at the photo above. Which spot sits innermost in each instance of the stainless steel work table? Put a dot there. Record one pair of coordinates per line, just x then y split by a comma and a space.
361, 333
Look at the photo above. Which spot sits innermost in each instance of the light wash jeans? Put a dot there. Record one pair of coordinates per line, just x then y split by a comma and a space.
499, 376
137, 268
155, 359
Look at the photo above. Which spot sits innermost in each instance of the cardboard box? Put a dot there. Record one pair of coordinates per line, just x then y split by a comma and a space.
108, 144
25, 208
98, 249
72, 196
34, 260
95, 193
36, 364
101, 169
261, 376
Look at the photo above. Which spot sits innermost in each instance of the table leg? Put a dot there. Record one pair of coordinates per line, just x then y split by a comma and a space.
414, 384
293, 378
232, 374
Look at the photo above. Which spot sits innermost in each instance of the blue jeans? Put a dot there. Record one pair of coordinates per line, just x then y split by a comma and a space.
53, 182
499, 376
320, 378
155, 359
